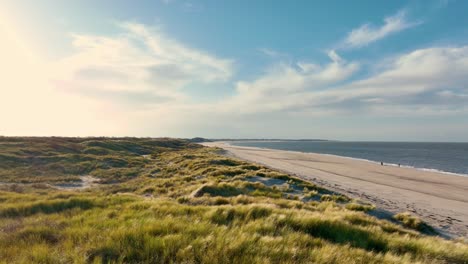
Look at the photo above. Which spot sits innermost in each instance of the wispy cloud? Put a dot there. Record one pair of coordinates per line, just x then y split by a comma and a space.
140, 60
271, 53
368, 33
282, 86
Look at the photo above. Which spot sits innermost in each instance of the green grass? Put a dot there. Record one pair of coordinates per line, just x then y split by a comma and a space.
187, 204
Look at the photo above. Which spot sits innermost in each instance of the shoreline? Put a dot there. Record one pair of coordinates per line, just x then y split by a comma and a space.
353, 158
437, 198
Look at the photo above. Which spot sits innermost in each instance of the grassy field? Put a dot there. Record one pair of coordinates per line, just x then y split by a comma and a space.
170, 201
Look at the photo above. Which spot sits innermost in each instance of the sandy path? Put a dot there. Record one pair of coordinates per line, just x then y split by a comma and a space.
439, 199
86, 182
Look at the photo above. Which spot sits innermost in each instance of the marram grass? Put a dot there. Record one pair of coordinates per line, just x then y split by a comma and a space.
188, 204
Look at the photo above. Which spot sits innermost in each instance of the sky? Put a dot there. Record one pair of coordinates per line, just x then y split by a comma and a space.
344, 70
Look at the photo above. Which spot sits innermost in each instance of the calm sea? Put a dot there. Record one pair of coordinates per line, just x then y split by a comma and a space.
443, 157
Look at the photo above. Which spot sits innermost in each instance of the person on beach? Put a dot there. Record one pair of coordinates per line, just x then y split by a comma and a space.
381, 163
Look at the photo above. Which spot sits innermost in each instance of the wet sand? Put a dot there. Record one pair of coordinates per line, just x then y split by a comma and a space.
439, 199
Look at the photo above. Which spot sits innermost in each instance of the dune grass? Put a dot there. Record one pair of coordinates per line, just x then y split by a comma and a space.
359, 207
188, 204
413, 222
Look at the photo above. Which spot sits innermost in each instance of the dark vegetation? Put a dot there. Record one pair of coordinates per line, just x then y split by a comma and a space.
171, 201
199, 140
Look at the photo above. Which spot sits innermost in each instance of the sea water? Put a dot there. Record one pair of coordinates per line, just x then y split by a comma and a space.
451, 158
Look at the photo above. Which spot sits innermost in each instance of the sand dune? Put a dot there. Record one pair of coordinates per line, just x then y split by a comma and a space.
439, 199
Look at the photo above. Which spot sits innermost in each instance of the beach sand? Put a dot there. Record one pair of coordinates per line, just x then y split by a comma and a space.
439, 199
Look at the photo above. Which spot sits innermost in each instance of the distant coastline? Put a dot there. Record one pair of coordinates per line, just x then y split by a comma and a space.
268, 140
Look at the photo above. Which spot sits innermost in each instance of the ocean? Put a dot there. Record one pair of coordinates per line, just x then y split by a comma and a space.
449, 158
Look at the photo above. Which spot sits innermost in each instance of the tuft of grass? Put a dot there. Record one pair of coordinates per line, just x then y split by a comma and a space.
221, 201
224, 162
359, 207
218, 190
244, 199
310, 194
326, 197
334, 198
413, 222
183, 200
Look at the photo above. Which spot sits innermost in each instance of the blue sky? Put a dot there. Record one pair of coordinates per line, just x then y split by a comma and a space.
367, 70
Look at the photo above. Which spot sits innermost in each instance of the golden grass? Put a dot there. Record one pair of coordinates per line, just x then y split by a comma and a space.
191, 205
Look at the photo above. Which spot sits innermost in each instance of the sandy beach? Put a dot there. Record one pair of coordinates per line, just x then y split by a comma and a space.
439, 199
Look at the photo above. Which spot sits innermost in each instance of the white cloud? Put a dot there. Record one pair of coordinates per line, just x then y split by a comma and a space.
139, 61
104, 86
404, 86
132, 84
282, 86
367, 33
308, 99
334, 56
